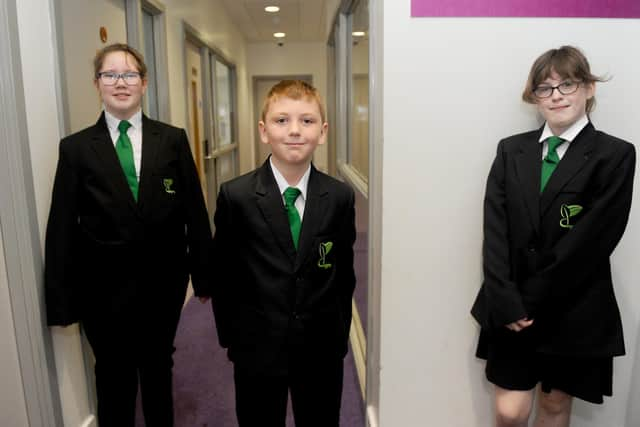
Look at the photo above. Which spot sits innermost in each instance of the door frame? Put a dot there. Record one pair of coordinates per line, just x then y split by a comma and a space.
21, 236
191, 36
134, 12
372, 188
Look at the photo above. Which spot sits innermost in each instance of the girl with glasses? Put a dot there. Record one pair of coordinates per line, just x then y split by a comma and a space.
557, 203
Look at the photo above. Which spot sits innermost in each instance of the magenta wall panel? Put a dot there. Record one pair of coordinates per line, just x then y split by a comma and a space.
527, 8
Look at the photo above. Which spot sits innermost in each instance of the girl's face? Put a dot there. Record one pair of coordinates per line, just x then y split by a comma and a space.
121, 99
561, 111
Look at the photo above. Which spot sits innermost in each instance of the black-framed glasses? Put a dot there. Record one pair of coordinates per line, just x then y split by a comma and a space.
109, 78
566, 88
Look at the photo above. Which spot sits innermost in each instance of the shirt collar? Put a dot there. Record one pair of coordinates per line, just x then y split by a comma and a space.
283, 184
113, 121
569, 134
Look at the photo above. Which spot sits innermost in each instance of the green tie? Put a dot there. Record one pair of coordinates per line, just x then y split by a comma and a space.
290, 196
550, 161
125, 154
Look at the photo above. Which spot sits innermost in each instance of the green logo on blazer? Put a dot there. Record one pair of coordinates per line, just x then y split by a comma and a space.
567, 211
324, 249
168, 182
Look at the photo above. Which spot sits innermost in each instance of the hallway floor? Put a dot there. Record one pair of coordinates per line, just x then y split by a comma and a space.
204, 397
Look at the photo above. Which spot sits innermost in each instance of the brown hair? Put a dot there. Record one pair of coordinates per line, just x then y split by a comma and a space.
118, 47
293, 89
567, 62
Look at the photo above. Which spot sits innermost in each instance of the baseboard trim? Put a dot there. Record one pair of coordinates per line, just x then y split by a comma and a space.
358, 347
372, 418
90, 421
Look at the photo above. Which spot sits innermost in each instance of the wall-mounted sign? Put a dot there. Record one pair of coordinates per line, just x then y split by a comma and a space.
527, 8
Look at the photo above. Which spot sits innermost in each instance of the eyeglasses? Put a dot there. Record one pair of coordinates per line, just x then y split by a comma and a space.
565, 88
109, 78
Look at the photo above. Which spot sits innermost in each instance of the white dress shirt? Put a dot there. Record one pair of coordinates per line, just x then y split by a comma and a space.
134, 132
301, 185
568, 135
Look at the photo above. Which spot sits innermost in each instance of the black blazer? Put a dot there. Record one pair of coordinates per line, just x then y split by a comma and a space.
108, 257
270, 301
546, 256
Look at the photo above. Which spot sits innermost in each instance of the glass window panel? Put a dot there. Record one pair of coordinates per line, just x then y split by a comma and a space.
212, 186
341, 127
331, 104
359, 112
223, 103
361, 258
151, 98
226, 167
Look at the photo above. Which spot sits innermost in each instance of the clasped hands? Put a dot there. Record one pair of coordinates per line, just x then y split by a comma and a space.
519, 325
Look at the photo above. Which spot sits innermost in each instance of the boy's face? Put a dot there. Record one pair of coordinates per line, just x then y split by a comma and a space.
561, 111
121, 99
294, 129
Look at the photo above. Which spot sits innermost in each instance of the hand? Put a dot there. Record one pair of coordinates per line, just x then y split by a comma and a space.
204, 299
519, 325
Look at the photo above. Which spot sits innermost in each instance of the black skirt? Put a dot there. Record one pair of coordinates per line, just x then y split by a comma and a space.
514, 363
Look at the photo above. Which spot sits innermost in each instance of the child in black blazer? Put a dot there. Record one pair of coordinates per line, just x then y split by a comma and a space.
127, 227
284, 270
556, 205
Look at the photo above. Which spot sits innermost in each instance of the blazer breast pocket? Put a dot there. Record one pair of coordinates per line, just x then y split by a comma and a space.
324, 252
166, 186
570, 207
569, 194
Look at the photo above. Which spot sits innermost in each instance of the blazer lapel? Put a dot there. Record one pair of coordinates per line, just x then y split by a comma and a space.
103, 146
314, 211
272, 207
528, 164
573, 160
151, 140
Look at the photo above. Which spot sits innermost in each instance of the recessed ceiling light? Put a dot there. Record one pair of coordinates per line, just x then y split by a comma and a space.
358, 34
271, 9
279, 35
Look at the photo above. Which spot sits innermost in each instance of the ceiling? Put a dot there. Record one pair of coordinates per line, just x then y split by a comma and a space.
301, 20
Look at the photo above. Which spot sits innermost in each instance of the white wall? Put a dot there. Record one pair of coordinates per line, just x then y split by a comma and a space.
292, 59
451, 91
331, 6
13, 410
37, 49
81, 22
210, 19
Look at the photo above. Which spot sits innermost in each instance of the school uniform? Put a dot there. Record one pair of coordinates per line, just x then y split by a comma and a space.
121, 267
284, 314
546, 257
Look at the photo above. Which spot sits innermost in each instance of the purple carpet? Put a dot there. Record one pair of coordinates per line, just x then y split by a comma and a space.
203, 377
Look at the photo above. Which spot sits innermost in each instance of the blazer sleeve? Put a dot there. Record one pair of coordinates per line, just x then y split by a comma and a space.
61, 243
197, 221
346, 272
595, 236
223, 255
499, 301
